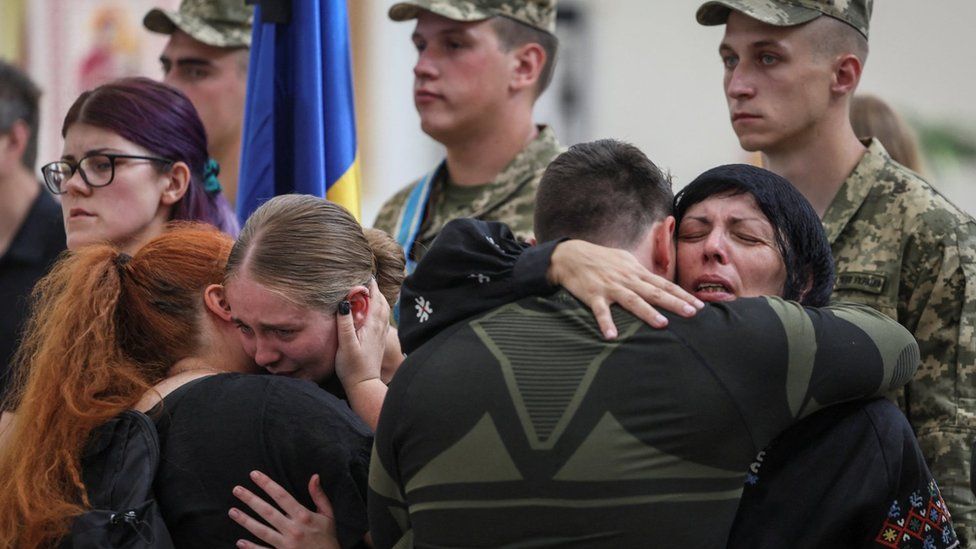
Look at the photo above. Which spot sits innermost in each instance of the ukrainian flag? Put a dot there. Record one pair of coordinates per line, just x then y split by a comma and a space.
299, 119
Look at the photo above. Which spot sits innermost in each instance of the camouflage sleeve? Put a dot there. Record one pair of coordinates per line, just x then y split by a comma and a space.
941, 400
386, 219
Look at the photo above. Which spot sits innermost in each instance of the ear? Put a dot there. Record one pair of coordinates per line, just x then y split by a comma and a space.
528, 61
215, 299
806, 288
17, 137
663, 257
358, 298
13, 143
178, 182
847, 74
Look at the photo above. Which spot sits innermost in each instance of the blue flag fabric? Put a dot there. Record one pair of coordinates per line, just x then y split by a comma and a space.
299, 118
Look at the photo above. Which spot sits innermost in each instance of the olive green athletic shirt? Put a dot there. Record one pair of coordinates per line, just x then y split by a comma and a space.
524, 427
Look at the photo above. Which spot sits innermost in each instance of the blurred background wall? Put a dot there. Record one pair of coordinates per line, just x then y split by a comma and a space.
636, 70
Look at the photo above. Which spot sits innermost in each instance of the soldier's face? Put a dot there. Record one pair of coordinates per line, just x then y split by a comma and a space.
462, 76
776, 83
214, 79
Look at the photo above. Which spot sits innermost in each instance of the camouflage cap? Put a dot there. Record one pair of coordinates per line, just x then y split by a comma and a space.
786, 13
540, 14
221, 23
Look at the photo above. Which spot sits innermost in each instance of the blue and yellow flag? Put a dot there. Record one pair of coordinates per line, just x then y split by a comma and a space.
299, 119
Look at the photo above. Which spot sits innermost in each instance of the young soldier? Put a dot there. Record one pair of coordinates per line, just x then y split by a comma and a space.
206, 58
481, 65
791, 68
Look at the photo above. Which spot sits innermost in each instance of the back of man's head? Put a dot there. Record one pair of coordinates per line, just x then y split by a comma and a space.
19, 99
606, 192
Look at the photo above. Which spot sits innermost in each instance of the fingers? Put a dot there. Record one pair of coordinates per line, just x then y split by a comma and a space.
321, 500
378, 301
670, 296
346, 327
254, 526
661, 297
601, 311
244, 544
281, 496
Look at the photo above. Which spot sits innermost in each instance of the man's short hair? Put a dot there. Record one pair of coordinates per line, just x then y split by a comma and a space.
19, 99
833, 38
606, 192
515, 34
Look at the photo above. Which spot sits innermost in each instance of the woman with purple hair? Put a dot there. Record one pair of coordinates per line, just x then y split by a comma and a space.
135, 158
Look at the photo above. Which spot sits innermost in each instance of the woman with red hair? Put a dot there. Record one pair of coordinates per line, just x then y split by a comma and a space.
111, 333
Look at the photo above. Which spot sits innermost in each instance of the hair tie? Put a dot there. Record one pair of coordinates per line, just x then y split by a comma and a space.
122, 259
210, 172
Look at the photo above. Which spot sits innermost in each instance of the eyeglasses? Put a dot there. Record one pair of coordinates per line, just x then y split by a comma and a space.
97, 170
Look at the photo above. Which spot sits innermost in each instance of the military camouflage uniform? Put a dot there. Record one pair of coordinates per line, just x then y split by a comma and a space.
220, 23
902, 248
510, 198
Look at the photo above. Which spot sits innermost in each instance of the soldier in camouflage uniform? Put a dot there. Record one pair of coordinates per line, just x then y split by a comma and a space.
898, 244
472, 100
206, 58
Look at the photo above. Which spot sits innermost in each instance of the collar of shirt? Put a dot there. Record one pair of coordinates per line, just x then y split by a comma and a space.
855, 189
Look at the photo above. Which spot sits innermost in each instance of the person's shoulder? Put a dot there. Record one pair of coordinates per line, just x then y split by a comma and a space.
390, 210
898, 192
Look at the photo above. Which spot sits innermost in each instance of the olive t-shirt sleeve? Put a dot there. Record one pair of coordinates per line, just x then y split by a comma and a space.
781, 362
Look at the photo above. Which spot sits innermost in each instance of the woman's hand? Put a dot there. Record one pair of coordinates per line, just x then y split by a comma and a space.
359, 358
297, 528
600, 277
392, 356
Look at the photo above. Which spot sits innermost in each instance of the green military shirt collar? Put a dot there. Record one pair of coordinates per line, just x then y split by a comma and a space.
517, 173
855, 189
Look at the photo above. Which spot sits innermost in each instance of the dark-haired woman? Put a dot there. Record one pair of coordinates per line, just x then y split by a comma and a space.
134, 158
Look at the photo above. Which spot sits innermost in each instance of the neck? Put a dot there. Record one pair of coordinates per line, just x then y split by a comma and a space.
480, 157
17, 194
192, 366
228, 156
819, 162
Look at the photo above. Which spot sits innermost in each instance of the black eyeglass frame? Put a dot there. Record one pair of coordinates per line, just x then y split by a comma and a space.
76, 167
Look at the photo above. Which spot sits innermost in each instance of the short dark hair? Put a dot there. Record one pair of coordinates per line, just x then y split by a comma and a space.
606, 192
19, 99
513, 34
800, 235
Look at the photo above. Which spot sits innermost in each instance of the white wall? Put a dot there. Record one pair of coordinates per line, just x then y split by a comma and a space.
656, 81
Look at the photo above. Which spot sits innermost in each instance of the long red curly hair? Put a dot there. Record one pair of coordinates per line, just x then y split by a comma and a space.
104, 329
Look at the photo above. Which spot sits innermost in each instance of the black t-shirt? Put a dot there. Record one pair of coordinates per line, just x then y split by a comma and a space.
35, 247
214, 431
